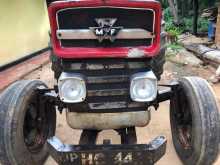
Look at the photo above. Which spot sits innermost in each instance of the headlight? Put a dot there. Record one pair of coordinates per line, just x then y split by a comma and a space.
143, 87
72, 88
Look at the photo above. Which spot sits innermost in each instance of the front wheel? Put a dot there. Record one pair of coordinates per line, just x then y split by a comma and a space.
25, 125
194, 120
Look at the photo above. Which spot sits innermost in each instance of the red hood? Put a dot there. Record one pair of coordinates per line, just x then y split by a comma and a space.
120, 52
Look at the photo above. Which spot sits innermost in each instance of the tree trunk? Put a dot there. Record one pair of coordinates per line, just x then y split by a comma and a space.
195, 16
212, 55
174, 11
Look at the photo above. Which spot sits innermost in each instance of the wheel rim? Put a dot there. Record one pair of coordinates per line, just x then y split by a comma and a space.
183, 122
36, 127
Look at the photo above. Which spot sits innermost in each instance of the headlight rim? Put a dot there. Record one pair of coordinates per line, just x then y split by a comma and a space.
75, 77
149, 75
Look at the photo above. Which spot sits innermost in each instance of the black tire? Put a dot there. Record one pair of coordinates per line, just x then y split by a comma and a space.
195, 121
21, 143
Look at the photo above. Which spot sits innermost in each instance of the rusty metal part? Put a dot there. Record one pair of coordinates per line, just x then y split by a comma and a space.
141, 154
185, 138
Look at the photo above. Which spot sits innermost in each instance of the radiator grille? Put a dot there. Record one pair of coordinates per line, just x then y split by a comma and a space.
107, 84
84, 18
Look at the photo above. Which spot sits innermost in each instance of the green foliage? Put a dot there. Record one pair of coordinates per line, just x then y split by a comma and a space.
202, 24
185, 12
164, 3
188, 24
167, 14
172, 29
186, 5
175, 46
206, 3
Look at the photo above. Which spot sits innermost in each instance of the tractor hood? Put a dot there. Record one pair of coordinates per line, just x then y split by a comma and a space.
105, 28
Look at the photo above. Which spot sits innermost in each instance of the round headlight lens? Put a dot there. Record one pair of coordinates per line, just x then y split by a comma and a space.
143, 89
72, 89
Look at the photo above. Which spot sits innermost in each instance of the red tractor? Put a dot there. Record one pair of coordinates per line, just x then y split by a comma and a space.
107, 56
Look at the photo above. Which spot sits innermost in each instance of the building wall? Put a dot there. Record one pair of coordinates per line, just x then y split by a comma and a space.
23, 28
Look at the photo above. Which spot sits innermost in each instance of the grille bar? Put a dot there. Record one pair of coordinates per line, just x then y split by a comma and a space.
107, 79
100, 64
108, 92
87, 34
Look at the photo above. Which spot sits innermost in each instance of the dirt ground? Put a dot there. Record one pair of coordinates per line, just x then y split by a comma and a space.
159, 124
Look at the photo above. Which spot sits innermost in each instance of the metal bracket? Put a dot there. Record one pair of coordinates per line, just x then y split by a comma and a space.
165, 95
50, 96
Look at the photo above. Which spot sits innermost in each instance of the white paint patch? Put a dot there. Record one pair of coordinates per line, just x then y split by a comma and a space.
135, 53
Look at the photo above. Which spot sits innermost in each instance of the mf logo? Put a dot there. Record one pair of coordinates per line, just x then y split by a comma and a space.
106, 29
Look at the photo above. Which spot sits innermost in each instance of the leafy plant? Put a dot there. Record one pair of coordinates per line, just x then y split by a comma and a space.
175, 46
167, 15
171, 28
169, 25
164, 3
202, 24
174, 30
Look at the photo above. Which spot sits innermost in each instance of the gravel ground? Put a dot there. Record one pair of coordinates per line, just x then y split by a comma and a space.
159, 124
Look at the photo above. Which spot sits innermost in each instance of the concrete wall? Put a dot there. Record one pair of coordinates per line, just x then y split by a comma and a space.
23, 28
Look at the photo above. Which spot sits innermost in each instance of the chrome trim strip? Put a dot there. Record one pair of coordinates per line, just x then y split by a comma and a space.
88, 34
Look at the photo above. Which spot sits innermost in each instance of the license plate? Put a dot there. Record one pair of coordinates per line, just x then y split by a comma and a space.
104, 158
